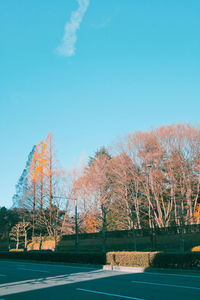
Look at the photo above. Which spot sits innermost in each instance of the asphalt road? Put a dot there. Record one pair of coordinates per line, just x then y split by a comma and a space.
32, 280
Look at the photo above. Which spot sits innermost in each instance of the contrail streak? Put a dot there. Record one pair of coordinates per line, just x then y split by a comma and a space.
67, 47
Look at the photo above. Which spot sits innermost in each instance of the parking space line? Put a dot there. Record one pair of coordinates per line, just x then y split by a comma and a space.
108, 294
168, 285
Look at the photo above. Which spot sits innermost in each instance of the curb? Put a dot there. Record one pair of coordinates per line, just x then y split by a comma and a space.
124, 269
189, 272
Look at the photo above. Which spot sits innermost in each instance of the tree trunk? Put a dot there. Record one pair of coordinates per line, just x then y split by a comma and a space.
25, 238
17, 245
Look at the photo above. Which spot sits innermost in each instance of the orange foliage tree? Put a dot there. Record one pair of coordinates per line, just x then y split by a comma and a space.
45, 183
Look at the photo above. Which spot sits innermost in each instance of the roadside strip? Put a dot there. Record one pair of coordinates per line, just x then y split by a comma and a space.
150, 271
145, 271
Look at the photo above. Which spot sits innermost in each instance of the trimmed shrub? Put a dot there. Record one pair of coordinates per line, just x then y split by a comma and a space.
129, 259
187, 260
196, 249
83, 258
154, 259
16, 250
190, 260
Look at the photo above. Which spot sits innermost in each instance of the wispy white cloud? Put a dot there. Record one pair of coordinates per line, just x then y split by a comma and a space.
67, 46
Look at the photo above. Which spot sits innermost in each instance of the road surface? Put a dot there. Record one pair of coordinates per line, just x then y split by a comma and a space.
32, 280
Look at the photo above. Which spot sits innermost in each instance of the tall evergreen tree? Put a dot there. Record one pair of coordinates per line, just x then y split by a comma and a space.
22, 184
99, 154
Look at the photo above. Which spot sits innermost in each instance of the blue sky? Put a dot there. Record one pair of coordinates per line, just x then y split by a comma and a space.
136, 65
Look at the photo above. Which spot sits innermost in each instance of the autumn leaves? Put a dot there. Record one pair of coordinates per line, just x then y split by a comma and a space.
152, 179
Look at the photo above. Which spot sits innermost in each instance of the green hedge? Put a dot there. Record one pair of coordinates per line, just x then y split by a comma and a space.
84, 258
130, 259
190, 260
154, 259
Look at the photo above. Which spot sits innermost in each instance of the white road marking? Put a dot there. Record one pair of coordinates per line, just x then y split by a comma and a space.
42, 271
108, 294
168, 274
169, 285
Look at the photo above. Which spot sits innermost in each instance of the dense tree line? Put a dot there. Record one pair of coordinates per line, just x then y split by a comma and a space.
146, 180
152, 180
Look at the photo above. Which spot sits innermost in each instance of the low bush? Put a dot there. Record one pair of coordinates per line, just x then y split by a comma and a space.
83, 258
196, 249
189, 260
154, 259
16, 250
129, 259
